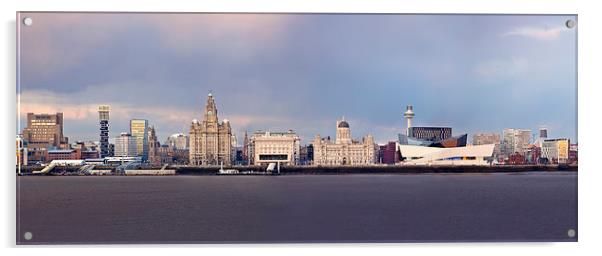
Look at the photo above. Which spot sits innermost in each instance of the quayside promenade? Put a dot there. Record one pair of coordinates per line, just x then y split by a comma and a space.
321, 170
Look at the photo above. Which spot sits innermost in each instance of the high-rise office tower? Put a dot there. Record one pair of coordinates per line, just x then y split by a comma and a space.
543, 133
103, 116
44, 130
139, 130
515, 141
125, 145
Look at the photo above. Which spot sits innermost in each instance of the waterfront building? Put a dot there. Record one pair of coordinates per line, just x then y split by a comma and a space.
275, 147
533, 154
467, 155
126, 146
21, 147
89, 154
62, 154
515, 141
573, 154
44, 130
233, 148
556, 151
516, 159
139, 130
165, 154
170, 155
430, 133
387, 154
153, 146
344, 150
85, 150
103, 116
306, 155
543, 133
177, 141
456, 141
428, 136
119, 160
238, 159
210, 140
245, 149
451, 142
488, 138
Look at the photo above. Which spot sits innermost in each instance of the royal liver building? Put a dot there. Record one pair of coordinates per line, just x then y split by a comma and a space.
210, 140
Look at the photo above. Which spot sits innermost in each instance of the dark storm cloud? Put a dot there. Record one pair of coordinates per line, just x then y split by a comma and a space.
302, 72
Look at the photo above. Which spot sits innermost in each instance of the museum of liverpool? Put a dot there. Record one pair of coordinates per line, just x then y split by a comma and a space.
435, 146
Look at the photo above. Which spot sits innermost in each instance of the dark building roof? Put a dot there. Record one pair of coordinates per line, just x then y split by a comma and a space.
343, 124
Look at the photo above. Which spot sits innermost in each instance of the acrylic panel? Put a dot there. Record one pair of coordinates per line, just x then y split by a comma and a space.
295, 128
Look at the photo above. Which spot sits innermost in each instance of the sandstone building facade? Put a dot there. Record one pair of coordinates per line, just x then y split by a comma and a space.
210, 140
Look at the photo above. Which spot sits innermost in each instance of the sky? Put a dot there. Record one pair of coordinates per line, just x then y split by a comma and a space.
275, 72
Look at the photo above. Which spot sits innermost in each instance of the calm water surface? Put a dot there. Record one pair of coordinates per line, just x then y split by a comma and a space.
297, 208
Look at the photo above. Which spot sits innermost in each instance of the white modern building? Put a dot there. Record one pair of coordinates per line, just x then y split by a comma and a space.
126, 145
556, 150
469, 155
275, 147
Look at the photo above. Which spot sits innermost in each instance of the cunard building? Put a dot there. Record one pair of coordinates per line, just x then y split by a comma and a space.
344, 150
210, 140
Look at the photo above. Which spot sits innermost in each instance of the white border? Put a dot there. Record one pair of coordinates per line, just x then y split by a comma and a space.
588, 101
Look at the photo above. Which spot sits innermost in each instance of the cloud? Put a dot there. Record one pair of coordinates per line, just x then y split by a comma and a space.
536, 32
57, 42
234, 34
502, 67
80, 111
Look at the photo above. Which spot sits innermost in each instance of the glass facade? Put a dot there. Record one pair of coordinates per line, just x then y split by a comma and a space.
139, 130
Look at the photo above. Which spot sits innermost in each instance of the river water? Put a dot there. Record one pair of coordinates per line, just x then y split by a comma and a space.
297, 208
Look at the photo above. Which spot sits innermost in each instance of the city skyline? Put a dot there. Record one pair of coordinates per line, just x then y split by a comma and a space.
301, 72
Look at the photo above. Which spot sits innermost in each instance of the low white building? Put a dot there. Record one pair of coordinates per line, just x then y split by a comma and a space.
274, 147
469, 155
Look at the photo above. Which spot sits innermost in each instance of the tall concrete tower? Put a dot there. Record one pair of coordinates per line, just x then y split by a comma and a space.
409, 115
103, 116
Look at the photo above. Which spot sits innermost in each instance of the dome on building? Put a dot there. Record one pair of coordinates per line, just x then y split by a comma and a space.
343, 124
